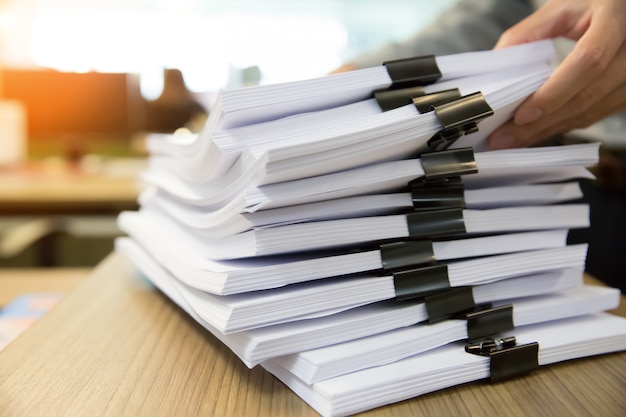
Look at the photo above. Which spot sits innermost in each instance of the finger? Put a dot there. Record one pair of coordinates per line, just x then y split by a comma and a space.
613, 103
589, 119
511, 135
590, 96
547, 22
589, 58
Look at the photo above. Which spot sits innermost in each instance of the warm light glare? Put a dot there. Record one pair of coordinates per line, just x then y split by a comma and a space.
286, 47
209, 51
106, 42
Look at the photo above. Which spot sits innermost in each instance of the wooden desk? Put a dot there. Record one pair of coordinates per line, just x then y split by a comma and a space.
65, 190
116, 347
16, 281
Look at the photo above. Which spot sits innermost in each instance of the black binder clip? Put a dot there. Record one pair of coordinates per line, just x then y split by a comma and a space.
420, 282
410, 72
442, 186
449, 163
448, 182
392, 99
427, 102
487, 321
507, 359
436, 223
486, 346
398, 255
433, 198
445, 168
458, 118
450, 303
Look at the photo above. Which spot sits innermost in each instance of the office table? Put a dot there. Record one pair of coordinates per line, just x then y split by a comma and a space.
34, 190
16, 281
118, 347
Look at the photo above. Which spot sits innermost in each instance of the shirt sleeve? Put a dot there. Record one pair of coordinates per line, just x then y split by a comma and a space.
468, 25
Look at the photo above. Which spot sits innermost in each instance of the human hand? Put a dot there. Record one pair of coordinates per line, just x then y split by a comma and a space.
588, 86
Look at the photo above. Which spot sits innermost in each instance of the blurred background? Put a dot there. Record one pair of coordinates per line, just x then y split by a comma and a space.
82, 82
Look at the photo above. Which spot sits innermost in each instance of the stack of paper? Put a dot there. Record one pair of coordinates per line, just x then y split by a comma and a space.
450, 365
255, 105
334, 237
343, 358
257, 345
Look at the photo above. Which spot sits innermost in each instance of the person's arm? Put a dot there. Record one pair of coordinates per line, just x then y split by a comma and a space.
588, 86
469, 25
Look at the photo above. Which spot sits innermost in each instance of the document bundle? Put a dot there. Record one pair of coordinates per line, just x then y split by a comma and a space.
353, 235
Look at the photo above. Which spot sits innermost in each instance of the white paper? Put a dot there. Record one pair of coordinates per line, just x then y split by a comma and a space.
232, 220
343, 358
322, 297
450, 365
391, 135
178, 255
352, 232
256, 345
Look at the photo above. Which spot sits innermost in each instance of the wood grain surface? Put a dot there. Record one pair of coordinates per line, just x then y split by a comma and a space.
118, 347
16, 281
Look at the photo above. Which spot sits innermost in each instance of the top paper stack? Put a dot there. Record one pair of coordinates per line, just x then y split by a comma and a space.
362, 213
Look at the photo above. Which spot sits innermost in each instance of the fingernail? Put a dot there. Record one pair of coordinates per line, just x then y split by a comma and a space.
527, 115
502, 141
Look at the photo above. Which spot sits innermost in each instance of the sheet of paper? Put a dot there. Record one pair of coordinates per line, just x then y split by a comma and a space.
232, 219
450, 365
256, 345
353, 232
343, 358
252, 274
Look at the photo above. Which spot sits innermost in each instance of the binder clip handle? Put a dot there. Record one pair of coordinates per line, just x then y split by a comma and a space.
444, 139
458, 118
487, 346
507, 359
